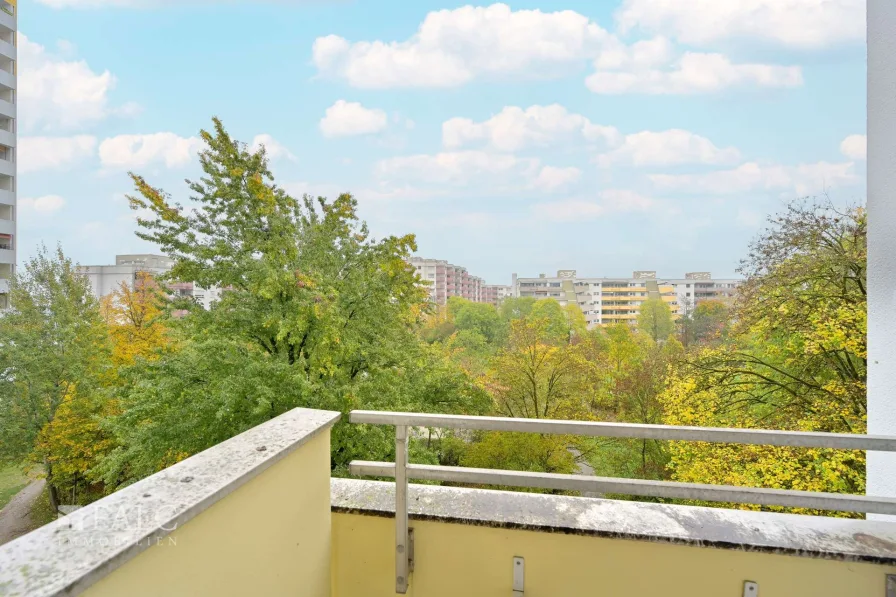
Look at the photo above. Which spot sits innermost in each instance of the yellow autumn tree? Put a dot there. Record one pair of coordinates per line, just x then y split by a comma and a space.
537, 375
134, 318
795, 359
74, 441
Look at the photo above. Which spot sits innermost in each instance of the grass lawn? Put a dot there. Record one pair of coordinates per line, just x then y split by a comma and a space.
12, 480
41, 511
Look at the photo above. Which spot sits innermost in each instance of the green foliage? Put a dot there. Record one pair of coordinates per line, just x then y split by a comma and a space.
655, 319
316, 314
53, 340
707, 323
516, 307
521, 452
481, 318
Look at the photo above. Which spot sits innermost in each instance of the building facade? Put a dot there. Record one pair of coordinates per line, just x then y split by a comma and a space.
607, 301
8, 215
106, 279
495, 293
445, 280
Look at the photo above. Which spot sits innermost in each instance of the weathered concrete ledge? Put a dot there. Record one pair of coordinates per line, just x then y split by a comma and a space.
791, 534
68, 555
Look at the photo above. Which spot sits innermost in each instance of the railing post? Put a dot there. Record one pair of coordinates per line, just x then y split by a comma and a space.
401, 509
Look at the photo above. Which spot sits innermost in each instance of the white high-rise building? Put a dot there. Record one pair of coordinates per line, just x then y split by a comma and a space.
106, 279
618, 300
8, 63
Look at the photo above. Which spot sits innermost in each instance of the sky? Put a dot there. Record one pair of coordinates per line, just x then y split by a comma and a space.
600, 136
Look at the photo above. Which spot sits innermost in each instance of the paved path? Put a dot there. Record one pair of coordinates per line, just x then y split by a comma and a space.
15, 518
586, 470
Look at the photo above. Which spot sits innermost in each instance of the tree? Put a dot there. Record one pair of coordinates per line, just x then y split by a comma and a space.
77, 439
655, 319
703, 324
135, 319
482, 318
533, 377
315, 311
560, 323
795, 358
516, 307
52, 350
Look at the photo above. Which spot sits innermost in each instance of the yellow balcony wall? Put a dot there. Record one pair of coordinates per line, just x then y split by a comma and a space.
464, 560
270, 537
250, 516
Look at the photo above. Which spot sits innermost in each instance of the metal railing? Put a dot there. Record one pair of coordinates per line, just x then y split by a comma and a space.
401, 470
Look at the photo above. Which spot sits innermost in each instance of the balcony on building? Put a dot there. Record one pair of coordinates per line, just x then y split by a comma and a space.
260, 515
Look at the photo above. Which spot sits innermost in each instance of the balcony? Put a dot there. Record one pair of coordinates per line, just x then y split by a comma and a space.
8, 50
259, 515
7, 80
7, 20
7, 109
7, 167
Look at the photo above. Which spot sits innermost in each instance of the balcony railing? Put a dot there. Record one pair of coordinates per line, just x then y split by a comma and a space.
402, 471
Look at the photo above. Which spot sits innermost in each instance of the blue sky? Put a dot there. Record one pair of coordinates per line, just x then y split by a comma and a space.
526, 137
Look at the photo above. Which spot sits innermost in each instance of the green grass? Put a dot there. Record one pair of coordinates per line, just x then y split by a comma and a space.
12, 481
41, 511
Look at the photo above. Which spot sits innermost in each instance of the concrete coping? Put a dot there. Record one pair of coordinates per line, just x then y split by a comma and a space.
68, 555
791, 534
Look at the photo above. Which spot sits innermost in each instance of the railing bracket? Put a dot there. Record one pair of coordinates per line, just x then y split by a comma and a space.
519, 576
751, 589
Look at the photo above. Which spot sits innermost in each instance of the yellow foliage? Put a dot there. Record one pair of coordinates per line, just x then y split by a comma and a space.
133, 316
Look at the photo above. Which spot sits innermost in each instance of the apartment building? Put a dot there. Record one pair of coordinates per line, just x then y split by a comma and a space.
105, 279
8, 215
618, 300
495, 293
446, 280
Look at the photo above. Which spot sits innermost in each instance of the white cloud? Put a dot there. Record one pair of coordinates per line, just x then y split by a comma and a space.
273, 148
137, 151
49, 153
799, 23
855, 147
608, 202
513, 129
803, 179
458, 168
553, 179
452, 47
46, 205
667, 148
57, 94
694, 72
344, 119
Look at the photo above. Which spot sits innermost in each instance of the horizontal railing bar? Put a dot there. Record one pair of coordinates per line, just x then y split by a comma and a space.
640, 487
802, 439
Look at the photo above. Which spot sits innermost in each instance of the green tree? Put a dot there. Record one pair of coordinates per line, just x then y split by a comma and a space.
315, 312
516, 307
705, 323
561, 323
52, 342
482, 318
655, 319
